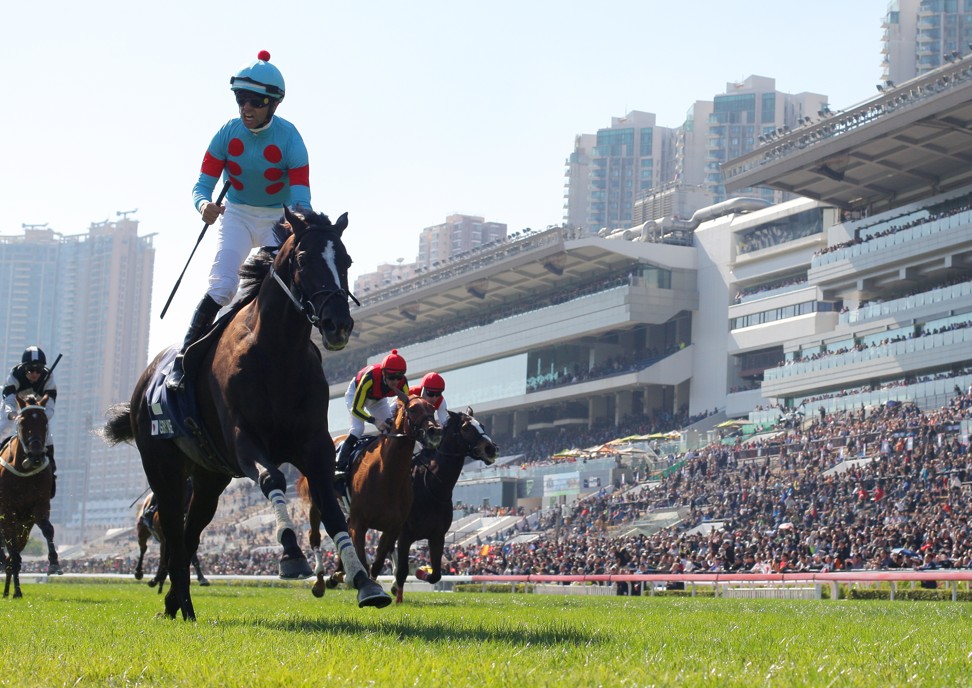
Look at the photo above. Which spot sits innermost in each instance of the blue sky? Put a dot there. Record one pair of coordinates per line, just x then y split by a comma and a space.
410, 111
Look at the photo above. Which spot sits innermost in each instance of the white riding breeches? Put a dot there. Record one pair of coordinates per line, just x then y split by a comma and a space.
381, 409
240, 229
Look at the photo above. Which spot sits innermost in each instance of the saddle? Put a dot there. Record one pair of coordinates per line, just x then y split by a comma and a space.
342, 483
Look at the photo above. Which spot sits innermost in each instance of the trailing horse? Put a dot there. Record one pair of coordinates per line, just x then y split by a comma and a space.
381, 493
260, 399
146, 528
25, 489
433, 480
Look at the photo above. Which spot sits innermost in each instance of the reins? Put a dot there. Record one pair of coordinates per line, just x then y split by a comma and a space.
305, 304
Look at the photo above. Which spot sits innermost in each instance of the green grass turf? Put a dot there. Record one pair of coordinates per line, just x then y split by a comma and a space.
110, 634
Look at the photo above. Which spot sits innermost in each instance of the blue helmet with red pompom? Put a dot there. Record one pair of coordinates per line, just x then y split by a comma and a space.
259, 77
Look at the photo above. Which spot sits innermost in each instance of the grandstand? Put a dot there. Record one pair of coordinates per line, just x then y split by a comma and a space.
855, 295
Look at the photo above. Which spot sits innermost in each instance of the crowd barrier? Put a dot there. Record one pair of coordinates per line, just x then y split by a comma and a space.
784, 585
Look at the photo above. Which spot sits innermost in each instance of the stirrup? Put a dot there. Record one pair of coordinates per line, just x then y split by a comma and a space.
176, 377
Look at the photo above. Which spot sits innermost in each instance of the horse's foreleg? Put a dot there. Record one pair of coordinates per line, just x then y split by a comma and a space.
199, 574
386, 543
402, 548
16, 561
436, 544
293, 563
53, 565
314, 518
142, 546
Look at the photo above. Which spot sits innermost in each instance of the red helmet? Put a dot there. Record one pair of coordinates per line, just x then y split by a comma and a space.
433, 382
393, 363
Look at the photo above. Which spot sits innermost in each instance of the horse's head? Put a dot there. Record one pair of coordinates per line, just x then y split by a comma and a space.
473, 437
317, 264
32, 429
416, 419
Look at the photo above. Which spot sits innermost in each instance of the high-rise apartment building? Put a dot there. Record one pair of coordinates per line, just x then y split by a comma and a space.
747, 111
921, 35
626, 160
88, 298
459, 233
610, 173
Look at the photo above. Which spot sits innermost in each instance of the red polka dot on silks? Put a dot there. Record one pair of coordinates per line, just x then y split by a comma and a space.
275, 188
235, 147
273, 173
237, 184
272, 153
234, 167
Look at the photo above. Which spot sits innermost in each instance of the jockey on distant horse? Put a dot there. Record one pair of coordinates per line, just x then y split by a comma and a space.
431, 388
371, 398
31, 376
256, 148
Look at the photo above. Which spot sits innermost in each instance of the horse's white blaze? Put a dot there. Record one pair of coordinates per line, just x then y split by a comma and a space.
279, 504
330, 258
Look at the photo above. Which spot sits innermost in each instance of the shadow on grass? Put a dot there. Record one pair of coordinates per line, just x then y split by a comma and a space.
450, 632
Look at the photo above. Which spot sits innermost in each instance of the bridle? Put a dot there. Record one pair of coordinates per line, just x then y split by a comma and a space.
303, 303
29, 467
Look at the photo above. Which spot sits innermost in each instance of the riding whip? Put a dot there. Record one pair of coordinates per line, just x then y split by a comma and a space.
219, 199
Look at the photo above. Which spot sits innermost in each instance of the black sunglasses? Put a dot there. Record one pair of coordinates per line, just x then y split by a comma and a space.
395, 376
35, 369
432, 394
255, 101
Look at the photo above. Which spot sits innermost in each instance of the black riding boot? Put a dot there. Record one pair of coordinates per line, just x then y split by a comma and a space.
203, 317
50, 458
344, 458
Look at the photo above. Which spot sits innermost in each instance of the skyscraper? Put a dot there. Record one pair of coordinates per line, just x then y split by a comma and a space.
920, 35
86, 297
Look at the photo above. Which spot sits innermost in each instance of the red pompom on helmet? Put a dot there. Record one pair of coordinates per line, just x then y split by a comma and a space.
393, 363
433, 382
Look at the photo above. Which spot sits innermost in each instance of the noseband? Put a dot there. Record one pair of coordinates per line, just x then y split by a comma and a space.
305, 304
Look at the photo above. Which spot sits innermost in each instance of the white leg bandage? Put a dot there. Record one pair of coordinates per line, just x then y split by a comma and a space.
348, 556
279, 504
318, 561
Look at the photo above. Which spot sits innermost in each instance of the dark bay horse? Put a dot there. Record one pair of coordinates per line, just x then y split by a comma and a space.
432, 483
25, 487
262, 401
381, 493
146, 528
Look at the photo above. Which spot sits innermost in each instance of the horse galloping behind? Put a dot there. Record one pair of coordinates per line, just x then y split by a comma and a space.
146, 528
25, 487
381, 493
433, 480
262, 401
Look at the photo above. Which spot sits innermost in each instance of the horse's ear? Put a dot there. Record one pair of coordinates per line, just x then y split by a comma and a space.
469, 411
342, 223
296, 223
44, 400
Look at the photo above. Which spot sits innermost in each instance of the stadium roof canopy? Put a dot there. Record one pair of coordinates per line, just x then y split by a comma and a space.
526, 269
911, 142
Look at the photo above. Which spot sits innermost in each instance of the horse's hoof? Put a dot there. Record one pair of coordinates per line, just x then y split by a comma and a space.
54, 570
370, 593
332, 583
203, 582
317, 590
138, 575
152, 583
422, 572
295, 569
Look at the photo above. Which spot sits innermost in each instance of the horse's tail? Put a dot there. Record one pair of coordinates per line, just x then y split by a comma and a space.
302, 490
118, 424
